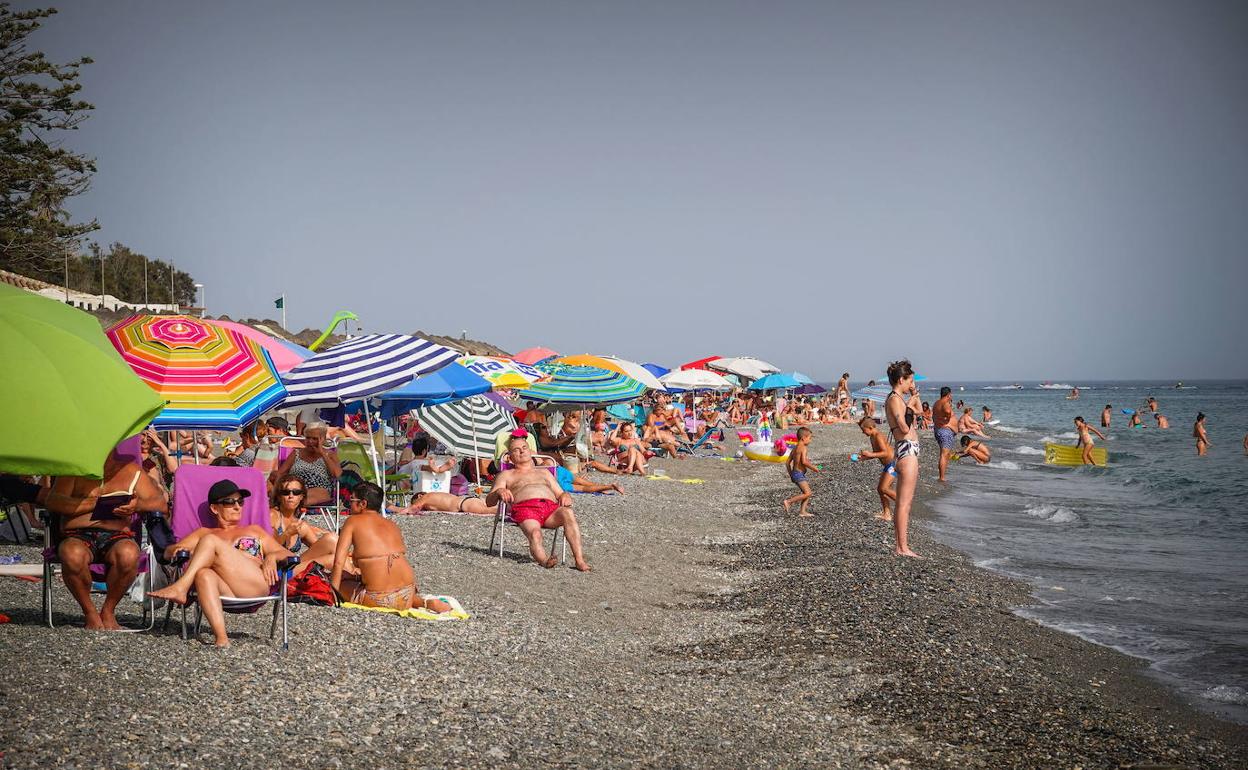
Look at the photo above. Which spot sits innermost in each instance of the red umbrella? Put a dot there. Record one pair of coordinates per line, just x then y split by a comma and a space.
533, 355
700, 363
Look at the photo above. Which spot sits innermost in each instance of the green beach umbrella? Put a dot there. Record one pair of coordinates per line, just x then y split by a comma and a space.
68, 396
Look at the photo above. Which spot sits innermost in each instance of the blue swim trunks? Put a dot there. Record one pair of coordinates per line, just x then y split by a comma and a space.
891, 469
946, 438
797, 476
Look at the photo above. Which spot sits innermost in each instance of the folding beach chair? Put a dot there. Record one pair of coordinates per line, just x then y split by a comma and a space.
692, 449
53, 534
330, 512
502, 519
190, 512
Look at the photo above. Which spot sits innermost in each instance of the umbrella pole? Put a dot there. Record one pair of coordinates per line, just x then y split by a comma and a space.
372, 454
476, 461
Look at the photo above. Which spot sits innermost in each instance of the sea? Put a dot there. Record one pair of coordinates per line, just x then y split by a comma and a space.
1148, 555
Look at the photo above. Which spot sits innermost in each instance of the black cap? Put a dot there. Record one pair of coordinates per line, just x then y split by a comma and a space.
278, 422
223, 489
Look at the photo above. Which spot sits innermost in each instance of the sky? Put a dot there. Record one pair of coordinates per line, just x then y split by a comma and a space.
996, 190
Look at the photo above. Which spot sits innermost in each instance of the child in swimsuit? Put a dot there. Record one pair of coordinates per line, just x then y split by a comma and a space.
798, 464
880, 450
1085, 439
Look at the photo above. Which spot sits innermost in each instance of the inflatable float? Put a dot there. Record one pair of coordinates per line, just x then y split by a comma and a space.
1062, 454
764, 452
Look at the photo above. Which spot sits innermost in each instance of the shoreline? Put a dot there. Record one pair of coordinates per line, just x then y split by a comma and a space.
714, 632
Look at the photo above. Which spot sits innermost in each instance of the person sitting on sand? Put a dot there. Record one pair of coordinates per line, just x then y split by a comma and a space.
1085, 439
883, 451
653, 434
537, 503
375, 545
95, 527
968, 424
798, 465
977, 450
228, 560
1162, 421
447, 503
630, 453
290, 529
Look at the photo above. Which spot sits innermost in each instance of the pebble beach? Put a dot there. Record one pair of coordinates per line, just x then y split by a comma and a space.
714, 631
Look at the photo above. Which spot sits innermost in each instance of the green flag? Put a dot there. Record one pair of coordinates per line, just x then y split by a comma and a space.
279, 303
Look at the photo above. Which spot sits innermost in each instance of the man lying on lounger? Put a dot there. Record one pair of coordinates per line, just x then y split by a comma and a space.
537, 502
447, 503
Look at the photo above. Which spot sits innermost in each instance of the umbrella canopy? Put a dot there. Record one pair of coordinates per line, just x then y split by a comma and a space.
467, 427
285, 355
212, 377
582, 386
809, 389
450, 383
502, 372
775, 382
68, 397
876, 393
364, 366
701, 363
655, 369
694, 379
533, 355
744, 366
613, 364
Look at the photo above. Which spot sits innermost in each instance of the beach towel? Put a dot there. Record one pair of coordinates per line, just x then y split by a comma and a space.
419, 613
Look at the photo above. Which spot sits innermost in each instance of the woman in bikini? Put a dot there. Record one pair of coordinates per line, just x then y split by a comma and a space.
293, 532
376, 546
314, 465
227, 560
630, 453
1201, 436
901, 420
1085, 439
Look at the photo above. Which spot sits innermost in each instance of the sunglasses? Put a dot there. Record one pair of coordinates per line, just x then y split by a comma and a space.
292, 493
231, 502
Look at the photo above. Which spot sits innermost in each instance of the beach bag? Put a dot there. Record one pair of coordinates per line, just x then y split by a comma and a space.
13, 526
312, 586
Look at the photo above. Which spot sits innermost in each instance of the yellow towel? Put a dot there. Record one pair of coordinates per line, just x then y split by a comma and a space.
456, 612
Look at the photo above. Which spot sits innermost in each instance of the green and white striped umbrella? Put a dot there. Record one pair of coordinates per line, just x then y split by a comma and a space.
582, 386
467, 427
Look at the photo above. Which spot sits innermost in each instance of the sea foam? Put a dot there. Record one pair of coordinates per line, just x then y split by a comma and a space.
1051, 514
1028, 450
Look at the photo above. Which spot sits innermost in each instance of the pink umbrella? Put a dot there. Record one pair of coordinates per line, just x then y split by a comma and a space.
533, 355
284, 358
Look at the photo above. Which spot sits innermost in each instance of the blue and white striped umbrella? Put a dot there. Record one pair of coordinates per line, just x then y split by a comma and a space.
361, 367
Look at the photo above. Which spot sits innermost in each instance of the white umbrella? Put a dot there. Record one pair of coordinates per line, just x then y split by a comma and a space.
637, 372
694, 379
744, 366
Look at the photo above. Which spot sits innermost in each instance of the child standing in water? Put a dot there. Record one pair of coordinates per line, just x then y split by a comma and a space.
1198, 433
1105, 413
883, 451
1085, 439
798, 464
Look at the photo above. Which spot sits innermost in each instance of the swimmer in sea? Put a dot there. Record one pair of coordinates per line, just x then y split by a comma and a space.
883, 451
1162, 421
1105, 414
987, 414
1198, 433
1152, 404
1074, 395
1134, 421
977, 450
1085, 439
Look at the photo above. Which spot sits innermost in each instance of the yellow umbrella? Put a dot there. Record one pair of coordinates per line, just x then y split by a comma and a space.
503, 373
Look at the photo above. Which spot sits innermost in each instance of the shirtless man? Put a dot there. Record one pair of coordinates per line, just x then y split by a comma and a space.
1105, 414
97, 532
448, 503
1198, 433
944, 426
537, 503
1152, 404
977, 450
1085, 439
1074, 395
1162, 421
883, 451
968, 424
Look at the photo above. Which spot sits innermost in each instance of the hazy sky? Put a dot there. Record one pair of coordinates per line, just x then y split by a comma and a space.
996, 190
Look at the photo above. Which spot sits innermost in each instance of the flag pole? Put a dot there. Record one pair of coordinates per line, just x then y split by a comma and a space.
283, 311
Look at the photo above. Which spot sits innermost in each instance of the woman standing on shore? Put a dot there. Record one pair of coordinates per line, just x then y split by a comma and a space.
901, 419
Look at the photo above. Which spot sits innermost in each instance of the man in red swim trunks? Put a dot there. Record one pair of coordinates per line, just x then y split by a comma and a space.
537, 502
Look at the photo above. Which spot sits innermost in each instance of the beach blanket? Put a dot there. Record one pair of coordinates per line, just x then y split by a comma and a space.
419, 613
682, 481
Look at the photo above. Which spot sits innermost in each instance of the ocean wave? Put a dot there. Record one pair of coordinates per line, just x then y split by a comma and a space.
1009, 429
1225, 693
993, 562
1051, 514
1005, 465
1026, 450
1055, 386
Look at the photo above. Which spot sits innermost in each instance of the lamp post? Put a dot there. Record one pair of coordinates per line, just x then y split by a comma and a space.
200, 286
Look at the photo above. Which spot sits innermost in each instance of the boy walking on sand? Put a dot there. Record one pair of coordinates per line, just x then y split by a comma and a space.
798, 464
883, 451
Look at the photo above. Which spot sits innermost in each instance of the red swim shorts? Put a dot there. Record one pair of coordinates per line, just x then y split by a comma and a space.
535, 509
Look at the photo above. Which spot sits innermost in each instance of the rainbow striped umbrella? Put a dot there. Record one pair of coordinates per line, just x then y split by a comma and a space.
582, 386
213, 378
